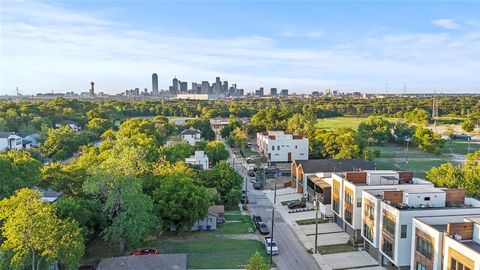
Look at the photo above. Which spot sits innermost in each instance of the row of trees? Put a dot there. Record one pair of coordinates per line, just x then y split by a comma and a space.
129, 187
29, 116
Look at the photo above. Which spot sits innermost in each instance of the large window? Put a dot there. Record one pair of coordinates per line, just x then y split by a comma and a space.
388, 225
420, 267
348, 197
424, 247
368, 232
387, 248
456, 265
335, 206
348, 216
369, 210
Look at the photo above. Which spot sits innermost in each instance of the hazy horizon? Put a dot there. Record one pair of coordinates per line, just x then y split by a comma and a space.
301, 46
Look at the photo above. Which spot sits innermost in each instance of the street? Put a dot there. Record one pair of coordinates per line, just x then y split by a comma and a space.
292, 253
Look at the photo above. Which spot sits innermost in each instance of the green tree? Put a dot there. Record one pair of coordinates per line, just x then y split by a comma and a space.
36, 235
222, 177
180, 202
419, 116
129, 212
100, 125
446, 175
215, 150
257, 262
239, 138
63, 142
428, 140
468, 125
202, 124
86, 212
375, 129
17, 170
340, 143
177, 152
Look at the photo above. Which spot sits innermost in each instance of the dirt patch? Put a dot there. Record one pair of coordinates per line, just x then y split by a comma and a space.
270, 183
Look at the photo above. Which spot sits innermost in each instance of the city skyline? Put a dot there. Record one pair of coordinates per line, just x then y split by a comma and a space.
303, 47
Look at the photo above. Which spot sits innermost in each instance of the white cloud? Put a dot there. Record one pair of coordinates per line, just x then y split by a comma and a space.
446, 23
42, 49
308, 34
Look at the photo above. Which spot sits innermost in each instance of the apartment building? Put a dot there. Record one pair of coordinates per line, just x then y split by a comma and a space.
388, 214
280, 146
348, 191
311, 176
445, 242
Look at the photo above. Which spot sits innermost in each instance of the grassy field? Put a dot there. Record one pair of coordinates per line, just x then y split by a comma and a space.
460, 147
236, 224
227, 248
207, 250
339, 122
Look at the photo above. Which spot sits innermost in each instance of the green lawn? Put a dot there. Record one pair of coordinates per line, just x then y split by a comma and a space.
460, 147
236, 224
248, 152
339, 122
209, 251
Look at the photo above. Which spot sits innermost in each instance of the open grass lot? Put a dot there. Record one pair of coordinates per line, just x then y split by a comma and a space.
236, 224
392, 157
460, 147
339, 122
208, 250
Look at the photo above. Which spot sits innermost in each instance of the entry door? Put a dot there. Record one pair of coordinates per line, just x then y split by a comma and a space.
289, 157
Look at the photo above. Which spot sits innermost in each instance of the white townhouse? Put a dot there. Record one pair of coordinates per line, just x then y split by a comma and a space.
280, 146
191, 135
10, 140
445, 242
198, 159
387, 222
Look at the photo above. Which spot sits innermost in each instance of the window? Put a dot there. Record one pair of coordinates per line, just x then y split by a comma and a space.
367, 232
296, 146
273, 147
348, 197
348, 216
369, 210
424, 247
359, 202
387, 248
456, 265
403, 231
278, 147
335, 206
420, 267
388, 225
426, 198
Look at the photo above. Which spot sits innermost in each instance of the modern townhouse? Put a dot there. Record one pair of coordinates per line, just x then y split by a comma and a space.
280, 146
348, 191
388, 214
445, 242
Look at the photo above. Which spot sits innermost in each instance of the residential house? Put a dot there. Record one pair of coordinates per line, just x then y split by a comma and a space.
214, 217
72, 124
280, 146
10, 140
191, 135
199, 159
49, 195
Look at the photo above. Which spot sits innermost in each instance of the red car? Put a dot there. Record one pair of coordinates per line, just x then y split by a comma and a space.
145, 251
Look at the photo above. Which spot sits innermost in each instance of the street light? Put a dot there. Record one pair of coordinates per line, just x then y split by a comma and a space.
407, 139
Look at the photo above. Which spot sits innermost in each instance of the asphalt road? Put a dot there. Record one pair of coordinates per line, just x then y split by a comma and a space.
293, 256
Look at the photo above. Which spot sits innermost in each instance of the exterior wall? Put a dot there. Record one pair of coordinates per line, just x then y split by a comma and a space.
461, 253
405, 217
3, 144
198, 159
192, 139
420, 229
417, 199
278, 145
209, 223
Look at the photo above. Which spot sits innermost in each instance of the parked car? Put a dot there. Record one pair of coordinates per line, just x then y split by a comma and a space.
271, 246
257, 220
298, 203
244, 199
258, 185
263, 228
145, 251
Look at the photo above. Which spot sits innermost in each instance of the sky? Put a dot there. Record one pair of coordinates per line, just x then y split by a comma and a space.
303, 46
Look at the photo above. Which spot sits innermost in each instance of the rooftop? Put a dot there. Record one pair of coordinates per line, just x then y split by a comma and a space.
334, 165
191, 131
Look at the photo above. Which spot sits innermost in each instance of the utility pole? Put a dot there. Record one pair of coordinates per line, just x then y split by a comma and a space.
316, 219
273, 218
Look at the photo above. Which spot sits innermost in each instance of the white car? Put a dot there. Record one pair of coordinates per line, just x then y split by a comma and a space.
271, 245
